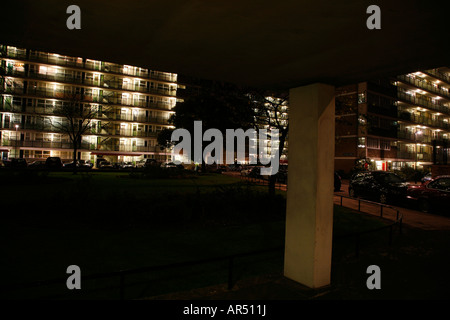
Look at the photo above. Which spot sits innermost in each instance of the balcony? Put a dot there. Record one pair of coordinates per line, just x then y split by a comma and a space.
43, 144
416, 138
422, 84
413, 156
423, 102
122, 132
104, 67
124, 148
424, 120
437, 74
107, 99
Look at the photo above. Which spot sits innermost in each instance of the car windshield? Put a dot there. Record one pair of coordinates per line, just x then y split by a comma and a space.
388, 178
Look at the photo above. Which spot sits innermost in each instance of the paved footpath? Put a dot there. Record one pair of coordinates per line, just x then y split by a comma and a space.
411, 218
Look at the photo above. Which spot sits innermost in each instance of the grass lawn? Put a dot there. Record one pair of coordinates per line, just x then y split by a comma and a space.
107, 221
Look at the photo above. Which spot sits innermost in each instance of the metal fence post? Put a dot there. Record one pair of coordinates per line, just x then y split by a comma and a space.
230, 273
390, 234
122, 285
357, 246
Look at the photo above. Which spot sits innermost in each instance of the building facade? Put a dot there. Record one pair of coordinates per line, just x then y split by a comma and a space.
394, 122
130, 106
273, 114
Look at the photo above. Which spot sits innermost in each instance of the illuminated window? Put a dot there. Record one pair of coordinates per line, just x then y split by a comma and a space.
51, 71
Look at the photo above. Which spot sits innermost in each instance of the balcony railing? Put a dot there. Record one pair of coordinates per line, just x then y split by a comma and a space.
409, 135
43, 144
125, 148
423, 120
103, 131
82, 146
110, 100
424, 85
101, 66
437, 74
122, 132
420, 156
423, 102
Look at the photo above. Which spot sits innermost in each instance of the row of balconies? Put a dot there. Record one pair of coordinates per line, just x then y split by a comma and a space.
423, 102
94, 66
104, 130
422, 120
112, 99
422, 84
392, 111
82, 146
111, 116
108, 85
437, 74
395, 132
419, 156
409, 135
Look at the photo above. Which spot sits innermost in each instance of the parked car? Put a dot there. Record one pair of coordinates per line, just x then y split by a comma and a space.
38, 164
337, 182
255, 172
426, 177
150, 163
380, 186
140, 163
104, 164
86, 164
81, 164
245, 170
169, 165
53, 163
16, 163
235, 167
214, 168
69, 165
432, 196
126, 165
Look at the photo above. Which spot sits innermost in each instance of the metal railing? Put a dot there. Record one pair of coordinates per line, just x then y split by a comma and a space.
436, 73
105, 99
357, 235
121, 275
101, 66
423, 102
404, 115
423, 84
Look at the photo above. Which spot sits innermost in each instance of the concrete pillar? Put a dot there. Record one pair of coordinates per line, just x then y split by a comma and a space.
309, 216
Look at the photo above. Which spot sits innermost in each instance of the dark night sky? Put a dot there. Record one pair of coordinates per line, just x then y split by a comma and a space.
279, 44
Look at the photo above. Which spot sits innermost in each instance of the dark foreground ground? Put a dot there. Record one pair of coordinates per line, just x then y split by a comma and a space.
109, 222
415, 267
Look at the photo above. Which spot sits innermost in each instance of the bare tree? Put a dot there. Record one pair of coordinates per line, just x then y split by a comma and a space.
272, 111
76, 118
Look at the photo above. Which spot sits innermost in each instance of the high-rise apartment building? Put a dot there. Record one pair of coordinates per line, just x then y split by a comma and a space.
273, 114
394, 122
130, 106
